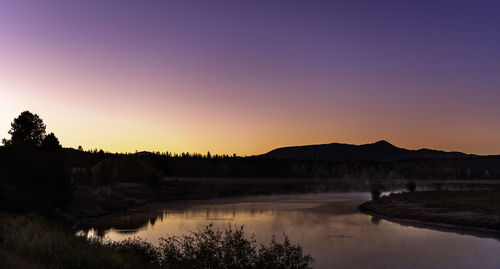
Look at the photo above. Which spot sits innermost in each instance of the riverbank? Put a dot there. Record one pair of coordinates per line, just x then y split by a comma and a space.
470, 209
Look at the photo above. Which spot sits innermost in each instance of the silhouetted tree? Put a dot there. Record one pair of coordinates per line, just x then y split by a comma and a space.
35, 177
375, 191
50, 143
27, 129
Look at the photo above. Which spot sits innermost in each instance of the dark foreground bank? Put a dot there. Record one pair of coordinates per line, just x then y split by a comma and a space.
471, 209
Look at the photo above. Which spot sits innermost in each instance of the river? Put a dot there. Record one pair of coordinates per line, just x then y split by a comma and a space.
328, 226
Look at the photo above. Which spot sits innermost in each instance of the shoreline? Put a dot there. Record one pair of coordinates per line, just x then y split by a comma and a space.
454, 210
438, 226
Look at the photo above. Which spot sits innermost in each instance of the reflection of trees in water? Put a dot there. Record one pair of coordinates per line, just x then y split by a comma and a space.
219, 213
131, 222
302, 212
126, 232
125, 223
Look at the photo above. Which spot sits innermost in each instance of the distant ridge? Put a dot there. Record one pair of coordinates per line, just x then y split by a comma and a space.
379, 151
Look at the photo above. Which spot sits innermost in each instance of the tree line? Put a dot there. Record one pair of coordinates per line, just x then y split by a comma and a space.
36, 173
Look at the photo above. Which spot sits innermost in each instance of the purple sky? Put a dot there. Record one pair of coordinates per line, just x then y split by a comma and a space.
248, 76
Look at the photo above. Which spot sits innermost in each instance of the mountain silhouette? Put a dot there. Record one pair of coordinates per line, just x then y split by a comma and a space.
379, 151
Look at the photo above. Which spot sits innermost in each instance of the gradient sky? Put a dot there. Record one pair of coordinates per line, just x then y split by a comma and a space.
245, 77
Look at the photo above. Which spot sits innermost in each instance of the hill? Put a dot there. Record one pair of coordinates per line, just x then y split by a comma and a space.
379, 151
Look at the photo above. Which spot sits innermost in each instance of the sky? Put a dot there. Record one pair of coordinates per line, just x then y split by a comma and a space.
245, 77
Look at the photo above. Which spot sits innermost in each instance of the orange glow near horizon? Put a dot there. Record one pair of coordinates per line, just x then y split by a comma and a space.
230, 78
93, 114
157, 125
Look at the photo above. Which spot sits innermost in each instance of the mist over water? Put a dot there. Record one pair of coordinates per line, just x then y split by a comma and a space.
329, 227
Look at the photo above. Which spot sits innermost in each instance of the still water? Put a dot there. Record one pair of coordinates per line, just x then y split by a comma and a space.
328, 226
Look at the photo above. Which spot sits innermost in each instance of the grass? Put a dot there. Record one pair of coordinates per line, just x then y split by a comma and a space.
49, 244
30, 241
478, 209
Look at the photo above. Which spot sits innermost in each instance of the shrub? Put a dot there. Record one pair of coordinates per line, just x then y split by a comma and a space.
209, 248
411, 186
375, 191
282, 255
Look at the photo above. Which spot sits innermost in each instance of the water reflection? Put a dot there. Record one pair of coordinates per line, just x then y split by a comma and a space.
329, 226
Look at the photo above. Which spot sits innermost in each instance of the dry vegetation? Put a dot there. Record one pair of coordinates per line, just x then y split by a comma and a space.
478, 209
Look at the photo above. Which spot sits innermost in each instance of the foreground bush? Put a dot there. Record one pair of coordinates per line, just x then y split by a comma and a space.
209, 248
41, 243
